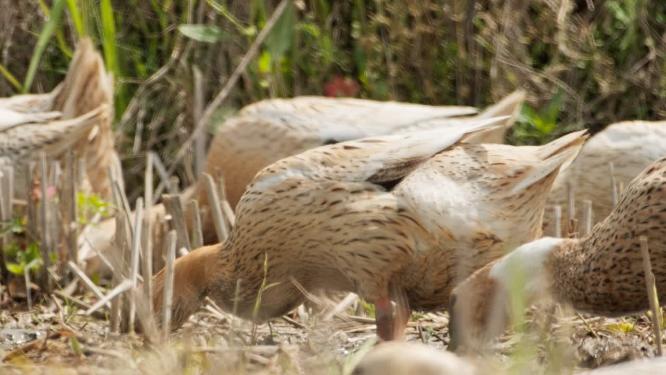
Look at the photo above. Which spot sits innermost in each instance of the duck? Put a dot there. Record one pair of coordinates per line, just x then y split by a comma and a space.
362, 216
22, 142
399, 358
600, 273
269, 130
629, 145
86, 86
10, 118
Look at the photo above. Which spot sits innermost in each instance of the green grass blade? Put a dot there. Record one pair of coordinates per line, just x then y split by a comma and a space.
44, 37
109, 37
10, 78
77, 20
111, 51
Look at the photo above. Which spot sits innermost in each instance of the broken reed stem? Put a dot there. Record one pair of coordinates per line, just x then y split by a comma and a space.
587, 217
174, 207
112, 296
54, 219
45, 251
120, 261
28, 292
147, 267
86, 280
197, 233
71, 225
653, 295
557, 213
614, 192
135, 254
571, 209
197, 112
168, 283
216, 209
32, 211
6, 200
165, 181
148, 181
229, 214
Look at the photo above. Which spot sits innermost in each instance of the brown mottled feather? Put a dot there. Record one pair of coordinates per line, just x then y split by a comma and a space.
318, 219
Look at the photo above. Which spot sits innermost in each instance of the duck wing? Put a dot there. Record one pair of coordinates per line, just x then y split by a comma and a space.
377, 160
342, 119
10, 118
54, 137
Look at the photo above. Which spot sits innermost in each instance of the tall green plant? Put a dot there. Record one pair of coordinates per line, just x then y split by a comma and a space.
47, 32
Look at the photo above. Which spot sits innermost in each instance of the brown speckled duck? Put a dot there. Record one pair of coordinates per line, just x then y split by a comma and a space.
630, 146
22, 142
601, 273
273, 129
396, 218
86, 87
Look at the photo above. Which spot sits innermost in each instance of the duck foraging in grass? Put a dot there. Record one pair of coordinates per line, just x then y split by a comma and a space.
601, 273
269, 130
381, 217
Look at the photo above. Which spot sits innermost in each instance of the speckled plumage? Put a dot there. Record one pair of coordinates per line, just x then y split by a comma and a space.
273, 129
23, 142
86, 87
333, 218
601, 273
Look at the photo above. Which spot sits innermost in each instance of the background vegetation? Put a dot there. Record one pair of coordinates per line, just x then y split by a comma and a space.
584, 63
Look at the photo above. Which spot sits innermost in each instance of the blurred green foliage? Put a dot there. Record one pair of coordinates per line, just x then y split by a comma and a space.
599, 61
89, 205
20, 260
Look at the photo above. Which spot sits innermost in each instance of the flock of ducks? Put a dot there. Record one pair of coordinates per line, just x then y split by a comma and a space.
412, 207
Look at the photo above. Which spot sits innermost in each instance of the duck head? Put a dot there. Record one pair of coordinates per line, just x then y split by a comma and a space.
481, 306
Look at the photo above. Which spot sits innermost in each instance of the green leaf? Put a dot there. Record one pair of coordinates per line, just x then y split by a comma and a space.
10, 78
75, 345
264, 62
15, 268
43, 40
77, 20
282, 35
202, 33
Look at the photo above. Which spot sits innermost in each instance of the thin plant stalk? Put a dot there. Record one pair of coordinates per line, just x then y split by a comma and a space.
216, 209
197, 233
652, 293
46, 253
168, 284
136, 252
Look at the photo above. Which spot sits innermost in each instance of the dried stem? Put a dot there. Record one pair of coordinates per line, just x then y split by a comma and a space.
614, 192
233, 79
174, 207
197, 233
168, 283
557, 213
216, 209
136, 252
587, 217
652, 293
45, 250
229, 215
70, 198
86, 280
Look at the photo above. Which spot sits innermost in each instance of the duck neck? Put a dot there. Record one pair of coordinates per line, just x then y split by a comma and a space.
571, 271
195, 276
